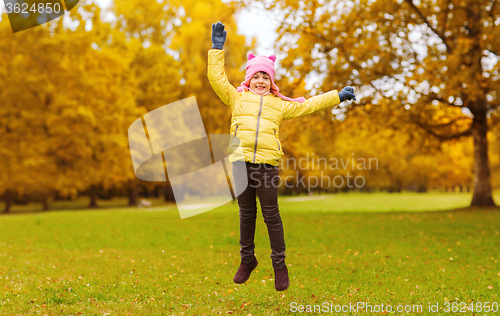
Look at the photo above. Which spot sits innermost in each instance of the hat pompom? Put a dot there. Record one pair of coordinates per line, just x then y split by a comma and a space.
273, 58
250, 56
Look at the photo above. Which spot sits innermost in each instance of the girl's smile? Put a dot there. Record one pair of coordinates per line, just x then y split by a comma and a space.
260, 83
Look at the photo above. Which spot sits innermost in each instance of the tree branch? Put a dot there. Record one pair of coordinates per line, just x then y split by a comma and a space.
448, 103
429, 129
441, 36
445, 20
492, 9
441, 125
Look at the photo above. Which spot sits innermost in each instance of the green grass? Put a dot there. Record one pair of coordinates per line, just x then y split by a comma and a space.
342, 202
80, 203
345, 249
382, 202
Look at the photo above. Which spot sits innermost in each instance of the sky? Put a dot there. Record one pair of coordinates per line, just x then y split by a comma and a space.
260, 24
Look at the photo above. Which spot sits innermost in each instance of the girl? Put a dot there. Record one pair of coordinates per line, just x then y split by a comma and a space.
257, 110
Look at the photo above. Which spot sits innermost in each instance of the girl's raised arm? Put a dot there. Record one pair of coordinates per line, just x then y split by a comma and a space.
216, 75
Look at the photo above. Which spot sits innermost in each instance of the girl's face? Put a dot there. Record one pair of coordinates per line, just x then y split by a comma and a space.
260, 83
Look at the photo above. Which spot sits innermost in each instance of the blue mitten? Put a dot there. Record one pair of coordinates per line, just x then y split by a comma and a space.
218, 35
347, 94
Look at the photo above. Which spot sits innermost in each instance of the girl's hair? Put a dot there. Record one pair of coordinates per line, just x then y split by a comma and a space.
261, 72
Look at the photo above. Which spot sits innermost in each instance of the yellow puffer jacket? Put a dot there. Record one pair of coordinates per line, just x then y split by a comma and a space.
256, 119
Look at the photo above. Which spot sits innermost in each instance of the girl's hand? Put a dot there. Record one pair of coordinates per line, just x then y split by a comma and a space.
218, 35
347, 94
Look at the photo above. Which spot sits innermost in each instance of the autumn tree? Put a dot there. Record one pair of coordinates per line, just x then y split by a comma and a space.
181, 31
375, 144
67, 101
436, 59
71, 91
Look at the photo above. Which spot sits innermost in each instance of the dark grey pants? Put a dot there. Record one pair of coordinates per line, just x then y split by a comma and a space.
263, 182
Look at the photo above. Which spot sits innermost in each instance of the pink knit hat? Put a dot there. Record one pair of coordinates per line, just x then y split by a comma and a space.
265, 64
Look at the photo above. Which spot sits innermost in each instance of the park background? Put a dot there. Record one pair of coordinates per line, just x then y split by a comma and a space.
427, 81
71, 90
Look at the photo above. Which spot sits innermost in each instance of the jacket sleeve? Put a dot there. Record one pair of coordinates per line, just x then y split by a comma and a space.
218, 79
293, 109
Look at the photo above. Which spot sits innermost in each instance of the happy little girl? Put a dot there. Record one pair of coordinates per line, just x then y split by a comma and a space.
257, 110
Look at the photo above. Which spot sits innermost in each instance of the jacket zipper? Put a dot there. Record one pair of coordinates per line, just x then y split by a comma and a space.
233, 138
277, 140
257, 131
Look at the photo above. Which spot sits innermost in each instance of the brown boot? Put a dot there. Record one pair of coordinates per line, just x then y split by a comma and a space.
281, 281
244, 271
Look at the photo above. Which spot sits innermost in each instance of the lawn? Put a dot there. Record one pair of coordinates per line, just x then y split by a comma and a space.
342, 249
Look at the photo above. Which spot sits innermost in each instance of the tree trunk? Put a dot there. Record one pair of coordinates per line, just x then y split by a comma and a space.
422, 188
25, 200
156, 191
169, 193
132, 193
93, 196
145, 191
45, 202
482, 178
8, 201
